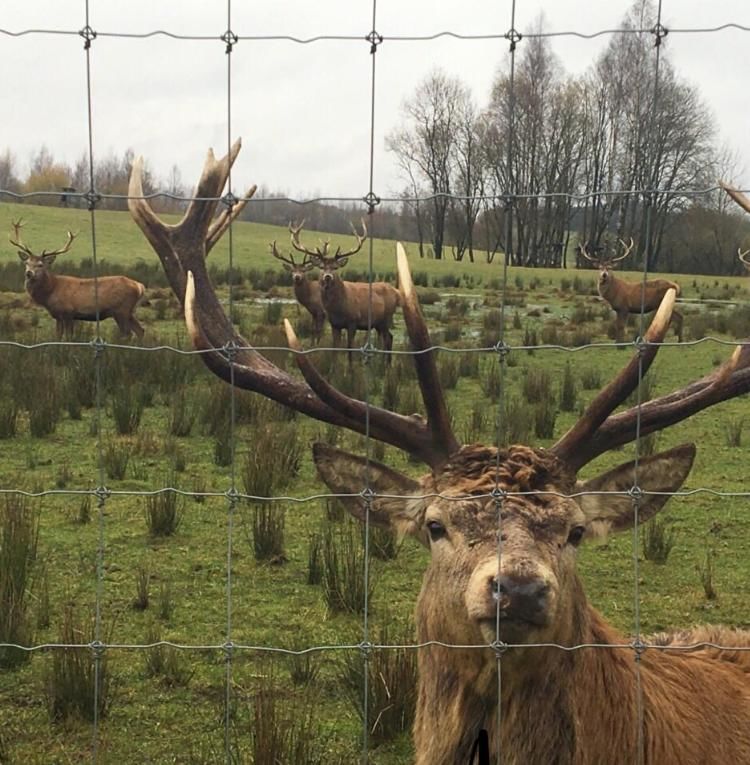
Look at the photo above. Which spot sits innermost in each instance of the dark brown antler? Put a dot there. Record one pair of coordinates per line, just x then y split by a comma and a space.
182, 248
742, 255
584, 251
628, 248
305, 265
16, 242
64, 248
317, 254
357, 247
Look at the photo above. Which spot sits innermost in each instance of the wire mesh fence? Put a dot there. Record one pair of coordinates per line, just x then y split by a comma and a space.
372, 44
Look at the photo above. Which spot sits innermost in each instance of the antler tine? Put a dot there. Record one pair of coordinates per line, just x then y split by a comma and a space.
571, 447
17, 226
737, 195
294, 231
628, 248
743, 257
585, 252
289, 260
228, 214
64, 248
360, 241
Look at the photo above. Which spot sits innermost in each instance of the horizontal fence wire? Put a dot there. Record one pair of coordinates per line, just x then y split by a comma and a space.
230, 646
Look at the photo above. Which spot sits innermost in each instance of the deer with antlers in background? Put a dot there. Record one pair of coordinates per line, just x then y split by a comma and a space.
502, 526
69, 298
307, 291
351, 305
744, 203
630, 297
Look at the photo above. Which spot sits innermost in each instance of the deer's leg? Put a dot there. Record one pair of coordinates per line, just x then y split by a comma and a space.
620, 322
59, 328
677, 324
137, 327
318, 322
386, 339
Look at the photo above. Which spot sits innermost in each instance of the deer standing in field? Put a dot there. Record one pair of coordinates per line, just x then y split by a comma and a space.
70, 298
631, 297
307, 291
351, 305
501, 600
744, 203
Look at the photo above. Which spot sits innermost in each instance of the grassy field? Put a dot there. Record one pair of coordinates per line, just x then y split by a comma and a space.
168, 705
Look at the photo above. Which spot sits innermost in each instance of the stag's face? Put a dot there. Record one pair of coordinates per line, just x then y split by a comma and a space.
604, 275
35, 266
298, 276
501, 562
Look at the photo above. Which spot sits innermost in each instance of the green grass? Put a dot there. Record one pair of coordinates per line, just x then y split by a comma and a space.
148, 719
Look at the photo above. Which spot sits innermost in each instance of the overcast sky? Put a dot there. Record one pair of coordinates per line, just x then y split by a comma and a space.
303, 111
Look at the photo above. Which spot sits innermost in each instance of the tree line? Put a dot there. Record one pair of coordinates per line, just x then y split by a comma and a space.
553, 160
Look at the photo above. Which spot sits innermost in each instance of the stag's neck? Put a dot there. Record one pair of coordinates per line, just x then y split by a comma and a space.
608, 290
552, 700
41, 288
335, 298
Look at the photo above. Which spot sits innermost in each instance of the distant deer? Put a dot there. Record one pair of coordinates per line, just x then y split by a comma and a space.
631, 297
69, 298
509, 642
744, 203
347, 304
307, 291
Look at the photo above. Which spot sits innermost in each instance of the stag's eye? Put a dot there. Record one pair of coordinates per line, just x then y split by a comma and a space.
436, 530
575, 535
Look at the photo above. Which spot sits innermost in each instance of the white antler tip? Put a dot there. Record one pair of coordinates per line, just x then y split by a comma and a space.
190, 321
404, 272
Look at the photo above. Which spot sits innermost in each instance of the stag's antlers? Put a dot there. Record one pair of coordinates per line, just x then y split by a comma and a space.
182, 250
321, 255
305, 265
605, 262
16, 242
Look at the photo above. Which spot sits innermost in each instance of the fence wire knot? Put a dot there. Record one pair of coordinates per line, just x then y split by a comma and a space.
372, 201
99, 344
229, 351
231, 39
375, 39
97, 648
367, 494
93, 198
640, 345
639, 648
102, 494
660, 32
365, 648
501, 348
227, 647
229, 199
88, 35
498, 494
367, 351
636, 494
499, 647
514, 37
232, 496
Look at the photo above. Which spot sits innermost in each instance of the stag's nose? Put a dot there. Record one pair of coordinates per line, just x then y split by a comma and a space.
519, 598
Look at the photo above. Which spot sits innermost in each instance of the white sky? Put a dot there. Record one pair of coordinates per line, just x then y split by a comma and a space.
303, 111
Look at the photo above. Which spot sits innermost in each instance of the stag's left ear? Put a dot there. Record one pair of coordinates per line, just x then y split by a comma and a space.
397, 502
662, 474
49, 259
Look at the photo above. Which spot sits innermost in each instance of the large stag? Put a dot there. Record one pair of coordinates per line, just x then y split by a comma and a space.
502, 527
744, 203
351, 305
307, 291
631, 297
69, 298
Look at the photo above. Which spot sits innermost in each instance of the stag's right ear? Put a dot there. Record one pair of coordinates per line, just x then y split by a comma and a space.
23, 256
397, 502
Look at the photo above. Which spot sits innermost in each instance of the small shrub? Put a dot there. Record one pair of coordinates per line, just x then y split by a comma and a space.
72, 683
181, 414
536, 385
706, 572
163, 512
165, 602
116, 456
142, 583
591, 378
273, 461
44, 414
452, 331
127, 408
545, 414
164, 662
223, 448
272, 312
468, 364
448, 372
476, 424
314, 559
733, 432
344, 568
19, 536
491, 380
568, 391
84, 509
268, 532
658, 539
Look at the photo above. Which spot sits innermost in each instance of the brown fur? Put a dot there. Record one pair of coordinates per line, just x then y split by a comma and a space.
625, 297
577, 707
68, 298
347, 307
307, 292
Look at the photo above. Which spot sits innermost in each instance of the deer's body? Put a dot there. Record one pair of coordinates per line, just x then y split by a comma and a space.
503, 564
624, 298
68, 299
347, 306
307, 292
